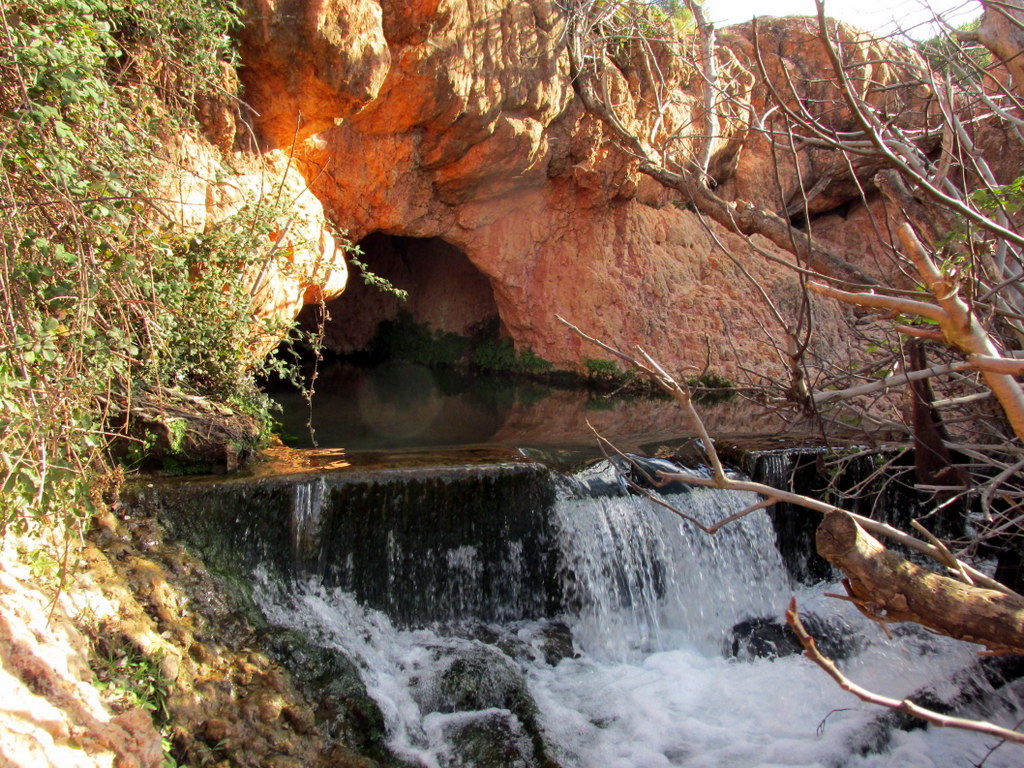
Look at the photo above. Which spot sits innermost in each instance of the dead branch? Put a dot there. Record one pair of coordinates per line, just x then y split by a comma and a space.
739, 217
999, 31
960, 327
661, 481
906, 162
1004, 365
895, 380
894, 589
900, 705
719, 478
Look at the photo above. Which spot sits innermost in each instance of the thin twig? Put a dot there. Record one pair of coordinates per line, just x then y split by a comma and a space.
904, 705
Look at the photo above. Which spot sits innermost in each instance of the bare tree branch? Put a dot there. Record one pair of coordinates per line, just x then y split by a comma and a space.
719, 478
900, 705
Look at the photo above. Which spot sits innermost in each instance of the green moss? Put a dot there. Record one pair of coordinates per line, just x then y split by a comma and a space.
402, 338
176, 431
601, 370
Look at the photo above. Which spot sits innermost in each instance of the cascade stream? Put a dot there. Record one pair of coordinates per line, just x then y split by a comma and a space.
510, 616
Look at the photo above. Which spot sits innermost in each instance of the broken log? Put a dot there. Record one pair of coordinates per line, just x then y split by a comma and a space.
889, 588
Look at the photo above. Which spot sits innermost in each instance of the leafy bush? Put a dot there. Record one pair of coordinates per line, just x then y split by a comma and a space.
710, 380
99, 297
495, 355
711, 388
404, 339
499, 356
529, 362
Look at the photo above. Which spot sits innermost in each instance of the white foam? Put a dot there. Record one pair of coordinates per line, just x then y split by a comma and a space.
685, 707
645, 580
651, 688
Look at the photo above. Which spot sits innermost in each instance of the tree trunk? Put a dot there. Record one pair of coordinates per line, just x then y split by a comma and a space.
1002, 32
889, 589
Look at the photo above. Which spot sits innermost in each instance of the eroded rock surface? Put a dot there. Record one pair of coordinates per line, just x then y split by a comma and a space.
457, 120
204, 185
52, 714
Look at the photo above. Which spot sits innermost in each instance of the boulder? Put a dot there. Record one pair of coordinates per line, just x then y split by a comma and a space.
771, 638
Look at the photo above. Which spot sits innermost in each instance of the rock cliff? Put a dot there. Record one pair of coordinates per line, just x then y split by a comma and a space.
450, 132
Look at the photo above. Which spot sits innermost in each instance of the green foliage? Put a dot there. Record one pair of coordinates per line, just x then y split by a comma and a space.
44, 564
98, 296
711, 388
962, 63
624, 20
532, 364
372, 278
964, 244
499, 356
200, 305
677, 12
404, 339
128, 678
495, 355
1009, 197
710, 380
601, 370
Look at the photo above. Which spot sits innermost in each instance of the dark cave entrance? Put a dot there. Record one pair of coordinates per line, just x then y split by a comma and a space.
447, 294
417, 373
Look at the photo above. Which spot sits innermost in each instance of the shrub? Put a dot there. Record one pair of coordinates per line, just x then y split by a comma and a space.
98, 297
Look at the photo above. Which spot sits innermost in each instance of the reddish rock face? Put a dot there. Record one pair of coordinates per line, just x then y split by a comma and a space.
455, 122
307, 63
796, 64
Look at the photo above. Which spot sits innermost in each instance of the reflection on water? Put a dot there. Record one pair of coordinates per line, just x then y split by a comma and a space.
396, 405
401, 405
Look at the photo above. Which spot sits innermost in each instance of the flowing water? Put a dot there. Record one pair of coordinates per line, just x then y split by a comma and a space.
650, 602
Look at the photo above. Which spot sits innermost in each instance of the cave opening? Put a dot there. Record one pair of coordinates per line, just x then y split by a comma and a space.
449, 304
403, 373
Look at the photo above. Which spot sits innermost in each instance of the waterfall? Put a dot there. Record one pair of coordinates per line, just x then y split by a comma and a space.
305, 522
502, 616
642, 579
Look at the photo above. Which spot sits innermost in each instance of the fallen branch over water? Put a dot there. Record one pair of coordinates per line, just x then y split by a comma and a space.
900, 705
891, 589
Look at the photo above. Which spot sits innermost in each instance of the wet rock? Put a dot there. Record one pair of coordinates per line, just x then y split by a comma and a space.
332, 681
762, 638
216, 730
771, 638
479, 678
556, 643
471, 679
493, 739
269, 707
549, 641
283, 761
984, 688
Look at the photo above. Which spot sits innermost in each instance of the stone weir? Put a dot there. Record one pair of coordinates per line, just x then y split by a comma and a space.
420, 544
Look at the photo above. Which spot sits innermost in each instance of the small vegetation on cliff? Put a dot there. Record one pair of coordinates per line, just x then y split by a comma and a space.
403, 338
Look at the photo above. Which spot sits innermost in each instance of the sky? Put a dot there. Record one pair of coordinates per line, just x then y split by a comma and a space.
882, 16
